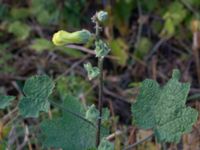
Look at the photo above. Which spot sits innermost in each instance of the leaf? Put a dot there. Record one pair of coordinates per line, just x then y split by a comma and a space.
163, 109
119, 48
122, 13
41, 44
37, 90
143, 47
5, 101
19, 29
92, 114
69, 132
101, 48
149, 6
19, 13
175, 14
92, 72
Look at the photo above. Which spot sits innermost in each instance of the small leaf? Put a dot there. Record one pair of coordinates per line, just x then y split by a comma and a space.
41, 44
37, 90
101, 48
43, 17
19, 13
19, 29
92, 114
5, 101
119, 48
173, 17
143, 47
163, 109
93, 72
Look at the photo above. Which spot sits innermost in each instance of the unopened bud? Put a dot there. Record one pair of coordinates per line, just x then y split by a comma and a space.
63, 37
102, 16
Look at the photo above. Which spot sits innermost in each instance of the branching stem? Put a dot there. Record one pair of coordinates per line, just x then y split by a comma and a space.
100, 66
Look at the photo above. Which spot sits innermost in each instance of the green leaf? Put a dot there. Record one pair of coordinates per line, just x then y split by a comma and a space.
143, 47
37, 90
69, 132
41, 44
122, 13
5, 101
163, 109
93, 72
19, 13
19, 29
92, 114
43, 17
169, 28
119, 48
175, 14
101, 48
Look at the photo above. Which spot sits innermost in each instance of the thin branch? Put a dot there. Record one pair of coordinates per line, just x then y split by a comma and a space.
155, 48
113, 135
9, 116
86, 50
83, 49
139, 142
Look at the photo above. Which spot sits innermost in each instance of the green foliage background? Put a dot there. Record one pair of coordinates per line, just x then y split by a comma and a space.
148, 38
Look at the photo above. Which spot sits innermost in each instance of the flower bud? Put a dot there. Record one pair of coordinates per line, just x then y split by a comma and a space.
79, 37
102, 16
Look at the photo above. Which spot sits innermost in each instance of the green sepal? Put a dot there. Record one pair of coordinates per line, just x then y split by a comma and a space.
101, 48
92, 72
92, 114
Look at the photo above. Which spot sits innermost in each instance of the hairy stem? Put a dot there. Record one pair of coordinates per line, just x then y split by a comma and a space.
100, 65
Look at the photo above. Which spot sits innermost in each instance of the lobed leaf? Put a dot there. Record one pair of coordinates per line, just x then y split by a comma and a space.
163, 109
37, 90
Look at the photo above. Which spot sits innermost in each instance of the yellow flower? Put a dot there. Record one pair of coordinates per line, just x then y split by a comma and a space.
63, 37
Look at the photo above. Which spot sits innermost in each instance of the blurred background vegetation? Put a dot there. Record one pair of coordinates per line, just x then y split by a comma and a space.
148, 37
